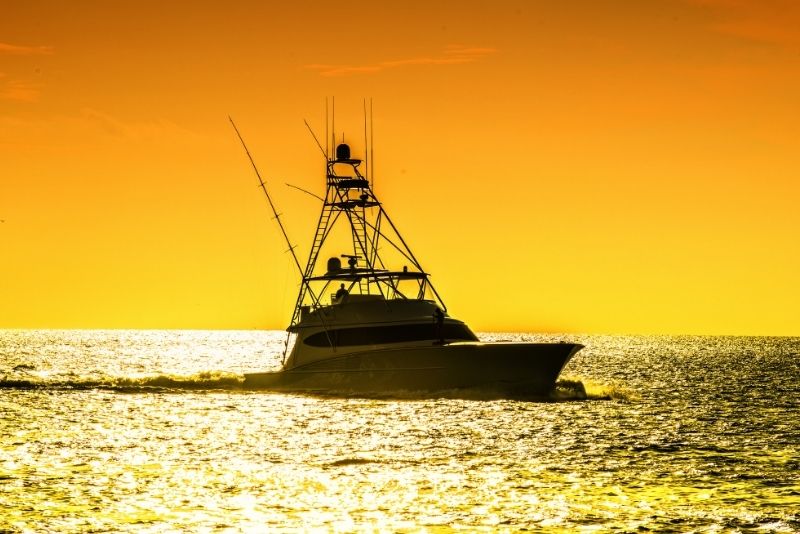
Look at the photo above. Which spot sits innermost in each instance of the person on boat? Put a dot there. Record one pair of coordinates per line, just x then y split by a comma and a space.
341, 293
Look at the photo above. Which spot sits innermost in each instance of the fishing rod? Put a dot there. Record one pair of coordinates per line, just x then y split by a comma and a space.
269, 199
324, 152
306, 192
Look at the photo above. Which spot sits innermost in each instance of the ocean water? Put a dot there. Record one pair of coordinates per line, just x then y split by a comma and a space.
150, 431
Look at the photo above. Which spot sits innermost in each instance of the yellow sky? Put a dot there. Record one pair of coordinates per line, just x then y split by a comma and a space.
571, 166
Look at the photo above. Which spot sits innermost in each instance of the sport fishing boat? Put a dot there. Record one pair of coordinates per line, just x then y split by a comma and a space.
374, 324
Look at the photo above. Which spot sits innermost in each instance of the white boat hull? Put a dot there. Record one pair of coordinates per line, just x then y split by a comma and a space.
505, 369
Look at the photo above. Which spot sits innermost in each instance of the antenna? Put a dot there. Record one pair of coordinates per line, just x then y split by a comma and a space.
371, 144
366, 153
333, 121
327, 139
269, 199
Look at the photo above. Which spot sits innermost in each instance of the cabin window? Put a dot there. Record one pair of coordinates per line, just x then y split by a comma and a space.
377, 335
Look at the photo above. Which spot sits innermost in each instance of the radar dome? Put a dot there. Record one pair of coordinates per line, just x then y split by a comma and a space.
343, 151
334, 264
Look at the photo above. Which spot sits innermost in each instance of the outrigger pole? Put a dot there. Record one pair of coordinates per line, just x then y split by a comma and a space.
269, 199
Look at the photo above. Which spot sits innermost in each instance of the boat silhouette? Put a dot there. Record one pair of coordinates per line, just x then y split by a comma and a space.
374, 324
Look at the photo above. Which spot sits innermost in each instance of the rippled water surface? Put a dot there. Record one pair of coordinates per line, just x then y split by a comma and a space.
151, 431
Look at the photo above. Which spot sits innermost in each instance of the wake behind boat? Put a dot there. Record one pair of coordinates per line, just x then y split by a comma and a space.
375, 325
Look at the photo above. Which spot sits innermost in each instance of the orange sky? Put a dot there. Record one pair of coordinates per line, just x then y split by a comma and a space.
571, 166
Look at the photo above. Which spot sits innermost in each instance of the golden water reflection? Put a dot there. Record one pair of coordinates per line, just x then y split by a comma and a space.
678, 453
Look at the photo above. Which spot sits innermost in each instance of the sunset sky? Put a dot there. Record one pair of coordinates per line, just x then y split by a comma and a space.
558, 166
